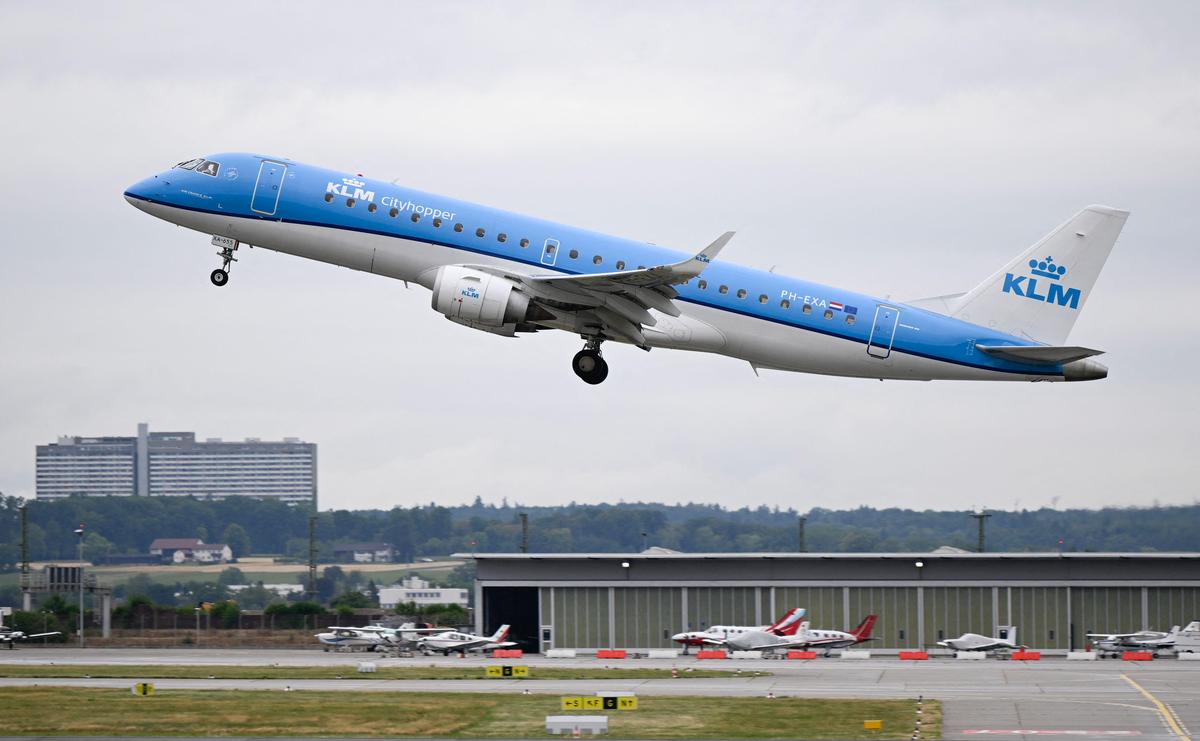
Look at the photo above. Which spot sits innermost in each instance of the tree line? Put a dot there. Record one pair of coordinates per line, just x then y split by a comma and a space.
127, 525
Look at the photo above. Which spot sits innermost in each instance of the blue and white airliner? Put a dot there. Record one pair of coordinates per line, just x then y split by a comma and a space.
506, 274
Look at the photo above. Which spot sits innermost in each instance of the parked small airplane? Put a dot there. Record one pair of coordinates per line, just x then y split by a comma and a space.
507, 274
453, 640
718, 635
976, 642
1186, 639
804, 638
372, 637
10, 636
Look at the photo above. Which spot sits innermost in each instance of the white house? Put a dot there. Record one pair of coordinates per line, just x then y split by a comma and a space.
183, 550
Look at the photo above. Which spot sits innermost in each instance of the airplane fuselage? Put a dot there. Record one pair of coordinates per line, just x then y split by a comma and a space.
771, 321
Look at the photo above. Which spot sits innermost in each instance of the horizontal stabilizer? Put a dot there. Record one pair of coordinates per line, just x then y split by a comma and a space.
1039, 353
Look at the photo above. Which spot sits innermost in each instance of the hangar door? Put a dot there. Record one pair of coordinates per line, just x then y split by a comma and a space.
517, 606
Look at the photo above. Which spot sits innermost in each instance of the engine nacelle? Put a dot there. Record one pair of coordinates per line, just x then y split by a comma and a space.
479, 300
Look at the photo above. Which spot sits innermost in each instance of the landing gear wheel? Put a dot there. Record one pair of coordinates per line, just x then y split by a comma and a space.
590, 366
219, 277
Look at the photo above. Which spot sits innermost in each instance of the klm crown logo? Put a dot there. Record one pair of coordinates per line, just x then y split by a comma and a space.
1026, 286
1047, 269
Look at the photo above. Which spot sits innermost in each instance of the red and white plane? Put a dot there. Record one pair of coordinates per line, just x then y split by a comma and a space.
804, 638
719, 635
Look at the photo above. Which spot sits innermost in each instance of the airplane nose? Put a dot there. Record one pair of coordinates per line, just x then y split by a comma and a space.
679, 637
143, 190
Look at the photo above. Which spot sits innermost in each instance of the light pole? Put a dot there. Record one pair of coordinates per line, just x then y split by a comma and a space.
79, 533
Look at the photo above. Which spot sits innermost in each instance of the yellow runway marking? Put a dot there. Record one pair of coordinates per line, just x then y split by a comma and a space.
1167, 714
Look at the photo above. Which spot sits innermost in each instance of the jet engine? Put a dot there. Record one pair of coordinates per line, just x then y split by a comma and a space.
480, 300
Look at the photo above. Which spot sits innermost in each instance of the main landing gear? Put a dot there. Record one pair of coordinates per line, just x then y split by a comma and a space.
588, 364
220, 276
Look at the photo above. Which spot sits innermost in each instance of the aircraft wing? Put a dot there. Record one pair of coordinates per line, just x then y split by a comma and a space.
1039, 353
615, 305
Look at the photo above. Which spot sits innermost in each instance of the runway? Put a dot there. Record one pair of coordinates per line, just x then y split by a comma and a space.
1104, 699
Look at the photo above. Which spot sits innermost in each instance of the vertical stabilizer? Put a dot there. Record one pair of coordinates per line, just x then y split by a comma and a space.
1040, 294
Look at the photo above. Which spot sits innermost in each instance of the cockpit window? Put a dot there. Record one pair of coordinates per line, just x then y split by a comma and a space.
189, 164
208, 167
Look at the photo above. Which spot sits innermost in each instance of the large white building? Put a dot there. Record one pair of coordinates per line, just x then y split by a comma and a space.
176, 464
416, 590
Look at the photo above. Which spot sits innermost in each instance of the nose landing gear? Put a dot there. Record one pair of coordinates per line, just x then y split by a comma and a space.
220, 276
589, 365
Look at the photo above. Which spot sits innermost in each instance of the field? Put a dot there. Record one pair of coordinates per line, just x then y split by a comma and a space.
178, 671
36, 711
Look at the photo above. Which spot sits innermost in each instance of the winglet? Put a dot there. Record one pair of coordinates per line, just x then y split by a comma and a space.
689, 269
709, 253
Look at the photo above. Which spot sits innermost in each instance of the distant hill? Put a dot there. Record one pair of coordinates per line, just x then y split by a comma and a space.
122, 525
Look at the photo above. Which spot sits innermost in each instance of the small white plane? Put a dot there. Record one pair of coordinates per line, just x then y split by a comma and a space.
10, 636
372, 637
976, 642
718, 635
1186, 639
453, 640
804, 638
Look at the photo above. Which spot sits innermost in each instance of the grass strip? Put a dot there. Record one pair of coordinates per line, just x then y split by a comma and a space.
37, 711
197, 671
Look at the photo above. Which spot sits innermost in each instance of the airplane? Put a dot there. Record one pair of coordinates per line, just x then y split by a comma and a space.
372, 637
507, 274
805, 638
976, 642
1112, 644
11, 636
718, 635
453, 640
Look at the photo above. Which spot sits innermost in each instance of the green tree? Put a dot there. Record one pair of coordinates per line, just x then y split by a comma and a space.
96, 547
231, 575
352, 600
236, 537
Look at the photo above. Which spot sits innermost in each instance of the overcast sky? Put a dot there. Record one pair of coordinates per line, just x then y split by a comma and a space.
901, 149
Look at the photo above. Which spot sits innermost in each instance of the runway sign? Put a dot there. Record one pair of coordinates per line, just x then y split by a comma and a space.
599, 703
143, 689
507, 670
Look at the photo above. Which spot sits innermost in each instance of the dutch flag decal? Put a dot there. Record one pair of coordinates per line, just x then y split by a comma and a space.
835, 306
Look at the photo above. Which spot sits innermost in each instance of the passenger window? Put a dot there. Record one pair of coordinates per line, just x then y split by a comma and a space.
501, 237
829, 313
479, 232
372, 208
620, 264
703, 284
573, 254
723, 289
849, 319
458, 227
393, 212
329, 198
597, 260
807, 309
524, 242
741, 293
762, 299
415, 217
349, 203
437, 222
785, 304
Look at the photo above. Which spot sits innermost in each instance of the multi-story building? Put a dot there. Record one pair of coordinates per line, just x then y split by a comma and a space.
416, 590
176, 464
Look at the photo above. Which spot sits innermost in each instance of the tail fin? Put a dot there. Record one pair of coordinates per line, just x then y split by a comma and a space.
863, 631
789, 623
500, 634
1041, 292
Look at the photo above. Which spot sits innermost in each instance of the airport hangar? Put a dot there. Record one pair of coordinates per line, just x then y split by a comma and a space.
638, 600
